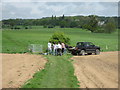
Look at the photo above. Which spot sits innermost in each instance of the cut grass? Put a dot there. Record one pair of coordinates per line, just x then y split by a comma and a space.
17, 41
58, 73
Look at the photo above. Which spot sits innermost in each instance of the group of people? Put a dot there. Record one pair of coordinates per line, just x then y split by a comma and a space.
56, 48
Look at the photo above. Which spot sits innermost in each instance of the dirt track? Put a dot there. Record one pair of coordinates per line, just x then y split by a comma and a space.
18, 68
97, 71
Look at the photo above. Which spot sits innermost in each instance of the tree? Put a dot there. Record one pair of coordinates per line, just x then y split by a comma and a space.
52, 17
12, 23
110, 27
63, 23
59, 37
63, 16
73, 24
93, 24
51, 26
55, 17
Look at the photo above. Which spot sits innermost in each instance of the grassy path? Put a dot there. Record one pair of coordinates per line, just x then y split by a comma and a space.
58, 73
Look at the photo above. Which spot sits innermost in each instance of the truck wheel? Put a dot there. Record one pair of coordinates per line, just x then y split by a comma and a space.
82, 52
97, 52
73, 53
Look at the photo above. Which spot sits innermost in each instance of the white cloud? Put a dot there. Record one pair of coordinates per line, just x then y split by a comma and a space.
16, 0
47, 9
0, 10
60, 0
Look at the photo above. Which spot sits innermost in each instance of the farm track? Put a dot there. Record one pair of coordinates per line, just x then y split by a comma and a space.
93, 71
97, 71
18, 68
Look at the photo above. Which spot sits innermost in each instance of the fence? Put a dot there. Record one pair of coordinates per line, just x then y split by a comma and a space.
35, 48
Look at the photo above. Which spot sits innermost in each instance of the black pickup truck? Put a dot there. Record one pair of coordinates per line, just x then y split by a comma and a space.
83, 48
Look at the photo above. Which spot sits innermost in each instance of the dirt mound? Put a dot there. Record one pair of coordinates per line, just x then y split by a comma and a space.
97, 71
18, 68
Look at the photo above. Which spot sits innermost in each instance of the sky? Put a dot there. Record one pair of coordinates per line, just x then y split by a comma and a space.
30, 9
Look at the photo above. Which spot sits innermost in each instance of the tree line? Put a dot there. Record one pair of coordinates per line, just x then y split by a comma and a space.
93, 23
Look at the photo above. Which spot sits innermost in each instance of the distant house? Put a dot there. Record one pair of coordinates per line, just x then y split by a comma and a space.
77, 20
100, 23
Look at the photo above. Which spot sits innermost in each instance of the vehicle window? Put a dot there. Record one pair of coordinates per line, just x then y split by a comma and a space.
87, 44
79, 44
91, 43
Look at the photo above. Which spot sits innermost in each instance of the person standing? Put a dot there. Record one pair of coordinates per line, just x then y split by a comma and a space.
59, 50
55, 49
49, 47
63, 47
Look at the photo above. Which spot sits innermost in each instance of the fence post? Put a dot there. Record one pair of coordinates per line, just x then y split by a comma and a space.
106, 47
33, 48
117, 47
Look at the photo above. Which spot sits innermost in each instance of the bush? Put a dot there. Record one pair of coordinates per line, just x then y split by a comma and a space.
50, 26
73, 24
63, 24
109, 28
16, 27
45, 26
26, 27
59, 37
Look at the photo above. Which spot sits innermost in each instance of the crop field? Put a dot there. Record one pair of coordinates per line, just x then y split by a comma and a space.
17, 41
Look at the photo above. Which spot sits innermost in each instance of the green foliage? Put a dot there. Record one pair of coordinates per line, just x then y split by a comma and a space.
58, 73
45, 26
63, 16
93, 24
110, 26
59, 37
84, 22
73, 24
50, 26
63, 24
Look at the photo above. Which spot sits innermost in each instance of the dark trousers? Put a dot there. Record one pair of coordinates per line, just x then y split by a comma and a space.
59, 51
63, 50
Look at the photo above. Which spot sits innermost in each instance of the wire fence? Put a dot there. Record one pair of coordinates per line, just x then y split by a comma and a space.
32, 48
35, 48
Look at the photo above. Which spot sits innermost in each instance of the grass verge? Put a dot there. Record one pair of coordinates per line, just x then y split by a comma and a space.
58, 73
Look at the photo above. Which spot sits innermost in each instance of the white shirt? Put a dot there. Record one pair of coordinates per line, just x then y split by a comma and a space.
54, 46
59, 46
49, 45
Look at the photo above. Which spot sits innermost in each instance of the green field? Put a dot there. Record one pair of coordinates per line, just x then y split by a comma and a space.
17, 41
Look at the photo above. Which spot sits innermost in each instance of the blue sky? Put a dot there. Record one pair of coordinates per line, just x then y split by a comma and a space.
30, 9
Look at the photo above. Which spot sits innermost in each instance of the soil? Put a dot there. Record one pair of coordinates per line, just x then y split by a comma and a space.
18, 68
92, 71
97, 71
